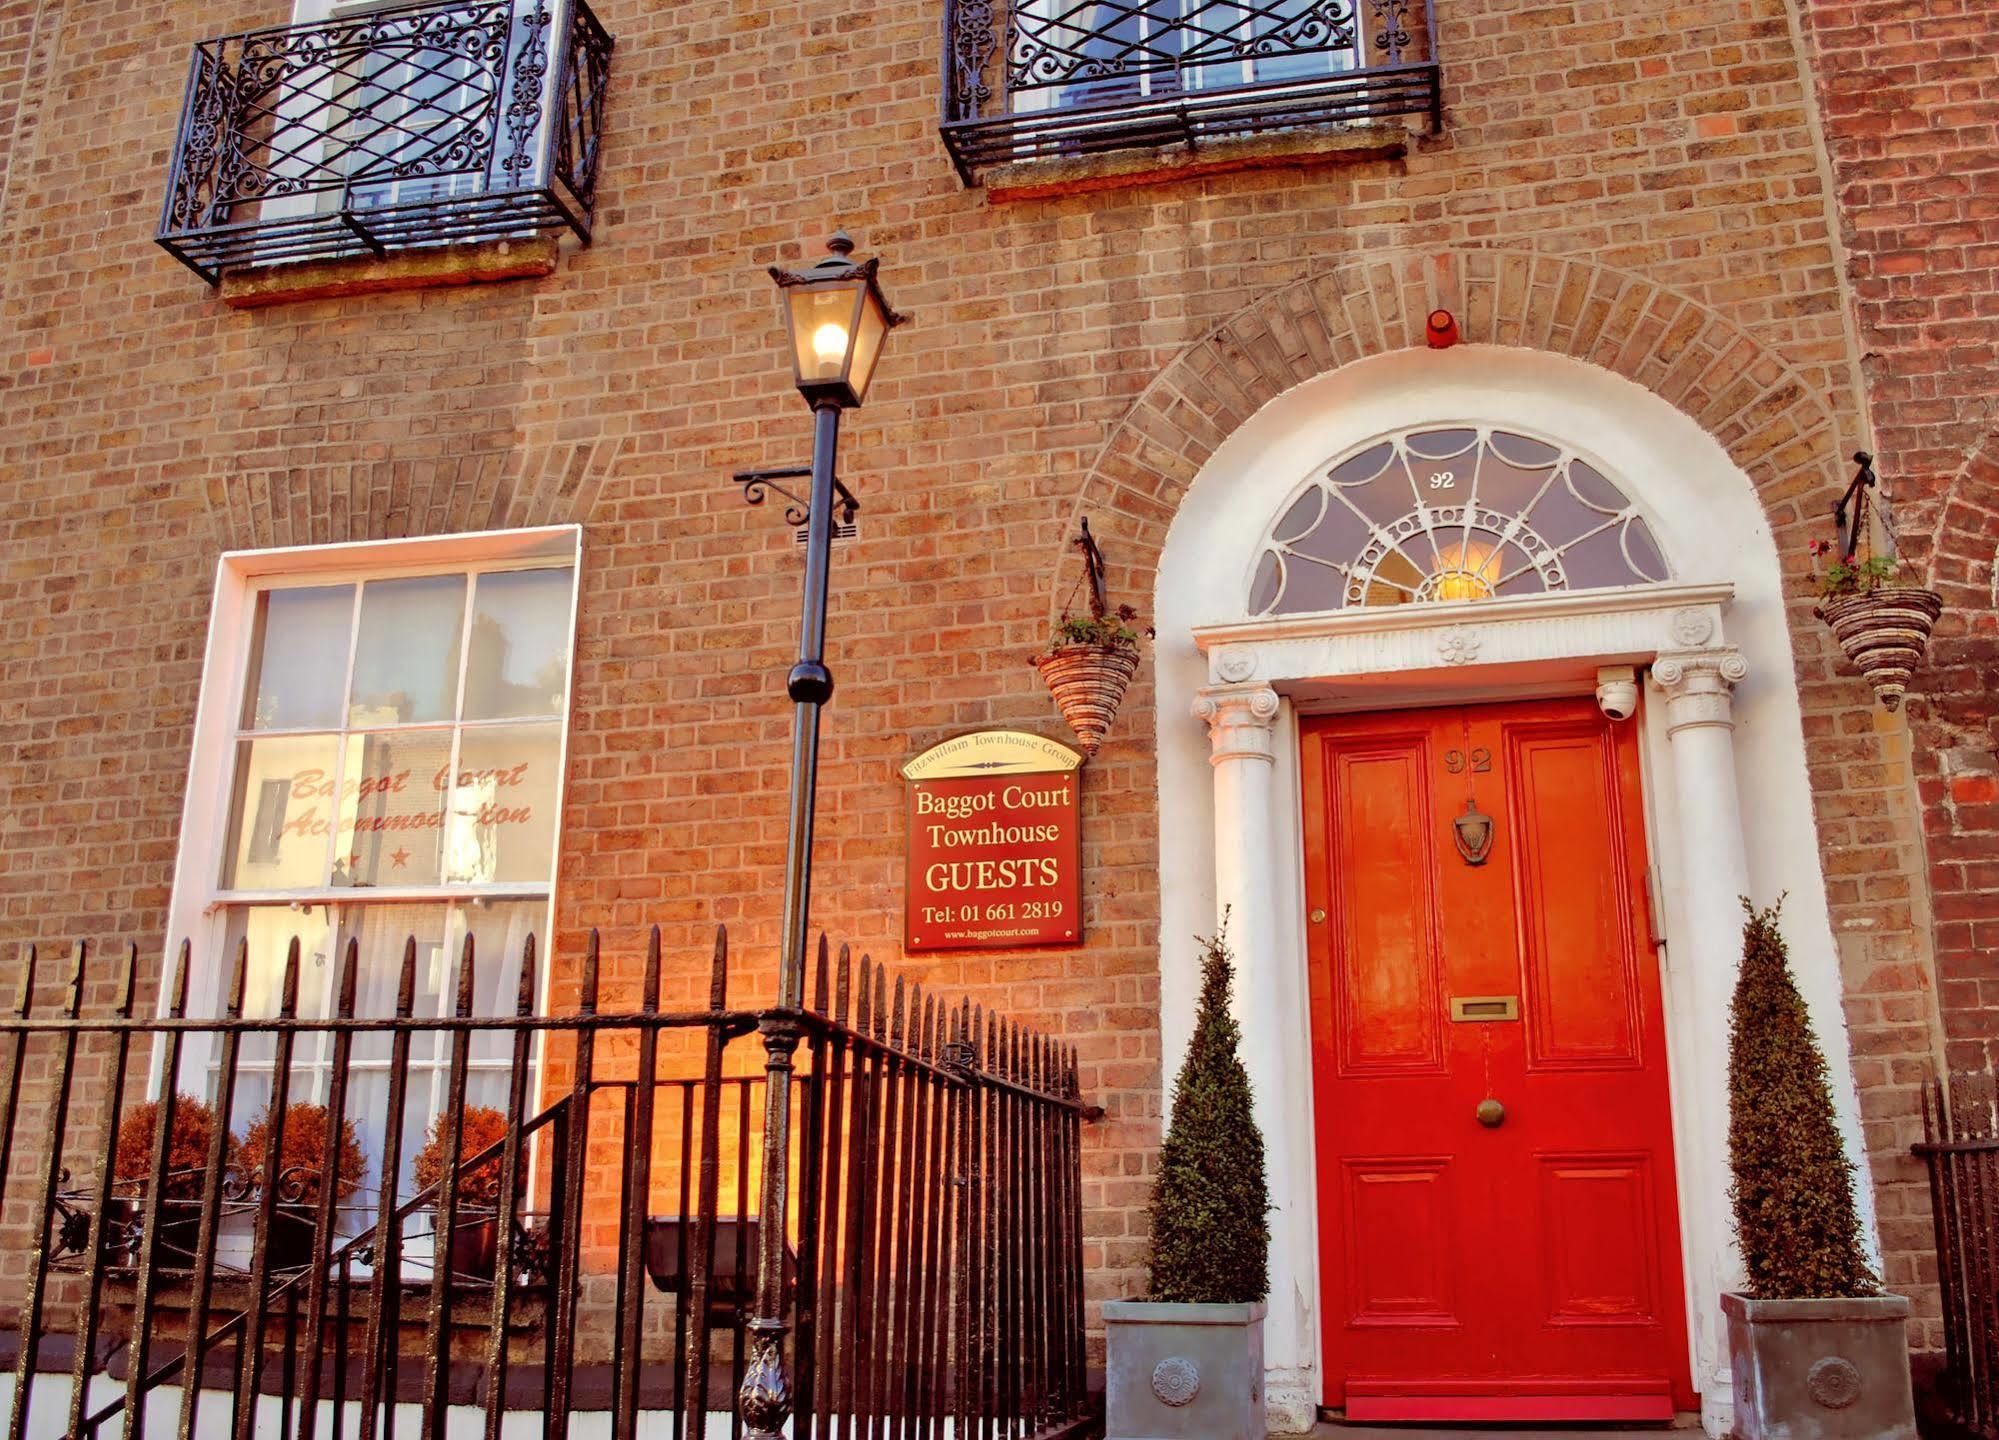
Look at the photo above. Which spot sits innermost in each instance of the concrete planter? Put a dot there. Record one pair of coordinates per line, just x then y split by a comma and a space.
1820, 1369
1183, 1372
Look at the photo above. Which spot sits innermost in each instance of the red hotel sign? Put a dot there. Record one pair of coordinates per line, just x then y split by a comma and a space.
995, 844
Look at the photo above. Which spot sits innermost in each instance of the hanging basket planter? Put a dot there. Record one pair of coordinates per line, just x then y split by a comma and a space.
1091, 660
1885, 633
1088, 683
1883, 627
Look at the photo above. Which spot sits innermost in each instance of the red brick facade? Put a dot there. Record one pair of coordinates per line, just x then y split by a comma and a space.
1640, 186
1911, 98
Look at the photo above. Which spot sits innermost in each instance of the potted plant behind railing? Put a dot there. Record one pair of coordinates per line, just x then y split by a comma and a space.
1091, 660
1188, 1360
1817, 1350
289, 1245
474, 1243
1882, 625
180, 1197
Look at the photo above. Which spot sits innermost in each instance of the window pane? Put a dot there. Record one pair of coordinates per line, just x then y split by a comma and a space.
519, 664
269, 930
392, 808
282, 814
299, 660
499, 932
503, 804
406, 661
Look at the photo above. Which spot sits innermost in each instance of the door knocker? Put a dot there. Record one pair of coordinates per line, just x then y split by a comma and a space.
1473, 831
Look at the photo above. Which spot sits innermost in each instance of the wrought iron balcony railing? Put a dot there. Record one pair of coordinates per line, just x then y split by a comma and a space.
388, 128
1040, 79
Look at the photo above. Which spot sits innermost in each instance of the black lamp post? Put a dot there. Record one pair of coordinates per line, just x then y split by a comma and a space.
837, 320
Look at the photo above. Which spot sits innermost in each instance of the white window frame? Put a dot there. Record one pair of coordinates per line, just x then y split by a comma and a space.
199, 909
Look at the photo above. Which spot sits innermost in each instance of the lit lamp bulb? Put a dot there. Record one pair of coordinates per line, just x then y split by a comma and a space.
829, 346
1465, 571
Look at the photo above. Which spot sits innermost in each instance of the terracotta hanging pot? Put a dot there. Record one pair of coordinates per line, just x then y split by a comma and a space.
1088, 683
1884, 633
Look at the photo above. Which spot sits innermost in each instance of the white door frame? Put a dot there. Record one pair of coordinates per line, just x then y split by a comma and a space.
1728, 802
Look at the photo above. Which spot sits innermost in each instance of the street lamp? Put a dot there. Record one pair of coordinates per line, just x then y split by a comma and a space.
836, 319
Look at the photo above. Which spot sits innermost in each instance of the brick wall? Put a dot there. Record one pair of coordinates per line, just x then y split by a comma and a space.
1637, 183
1911, 100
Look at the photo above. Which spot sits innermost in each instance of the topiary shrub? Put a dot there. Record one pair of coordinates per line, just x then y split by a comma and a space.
1211, 1205
481, 1129
1793, 1184
303, 1153
187, 1146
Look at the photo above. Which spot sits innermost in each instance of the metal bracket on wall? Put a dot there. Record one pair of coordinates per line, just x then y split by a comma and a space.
757, 484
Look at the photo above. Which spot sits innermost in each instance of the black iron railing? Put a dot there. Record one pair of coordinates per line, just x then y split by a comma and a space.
1043, 79
598, 1254
386, 129
1961, 1148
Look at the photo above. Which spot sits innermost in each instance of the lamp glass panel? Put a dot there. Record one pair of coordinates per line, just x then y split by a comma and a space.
872, 329
822, 330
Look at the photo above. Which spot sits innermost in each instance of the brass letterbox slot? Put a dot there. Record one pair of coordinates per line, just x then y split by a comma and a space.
1485, 1007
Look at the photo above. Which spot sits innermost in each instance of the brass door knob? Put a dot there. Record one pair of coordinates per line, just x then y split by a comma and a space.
1490, 1113
1318, 917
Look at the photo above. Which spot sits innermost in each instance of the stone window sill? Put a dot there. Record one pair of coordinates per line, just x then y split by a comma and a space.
1118, 170
476, 264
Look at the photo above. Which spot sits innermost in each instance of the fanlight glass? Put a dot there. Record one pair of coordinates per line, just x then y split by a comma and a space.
1464, 513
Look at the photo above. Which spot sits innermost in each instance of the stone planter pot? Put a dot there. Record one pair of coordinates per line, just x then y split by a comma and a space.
1820, 1369
1088, 683
1183, 1372
1884, 633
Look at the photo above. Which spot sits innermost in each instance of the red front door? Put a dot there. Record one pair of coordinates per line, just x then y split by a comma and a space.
1498, 1219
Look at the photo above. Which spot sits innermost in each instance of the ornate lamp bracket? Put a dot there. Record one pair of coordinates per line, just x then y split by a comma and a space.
756, 486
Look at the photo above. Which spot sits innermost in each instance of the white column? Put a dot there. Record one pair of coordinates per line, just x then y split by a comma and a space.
1698, 688
1272, 1005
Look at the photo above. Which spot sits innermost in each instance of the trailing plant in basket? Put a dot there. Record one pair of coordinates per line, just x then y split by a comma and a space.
482, 1129
303, 1153
1853, 576
1793, 1187
187, 1146
1211, 1203
1111, 631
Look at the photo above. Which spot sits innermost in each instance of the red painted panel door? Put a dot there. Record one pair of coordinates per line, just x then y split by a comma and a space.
1524, 1264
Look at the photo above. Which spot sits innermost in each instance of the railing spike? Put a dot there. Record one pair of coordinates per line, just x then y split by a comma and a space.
588, 1002
820, 978
406, 984
524, 996
288, 996
842, 981
239, 979
466, 987
718, 976
73, 1005
24, 996
649, 987
177, 994
350, 975
127, 978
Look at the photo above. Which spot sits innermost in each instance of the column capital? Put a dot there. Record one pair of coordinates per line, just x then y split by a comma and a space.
1699, 686
1241, 719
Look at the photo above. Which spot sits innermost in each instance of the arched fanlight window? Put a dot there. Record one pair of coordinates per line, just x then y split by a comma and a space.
1456, 513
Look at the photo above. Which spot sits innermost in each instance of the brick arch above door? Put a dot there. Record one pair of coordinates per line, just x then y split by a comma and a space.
1784, 433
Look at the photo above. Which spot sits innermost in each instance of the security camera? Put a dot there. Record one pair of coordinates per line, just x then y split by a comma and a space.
1617, 691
